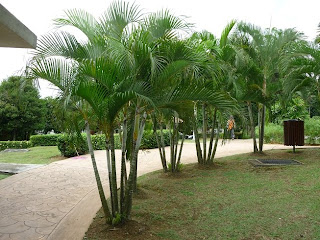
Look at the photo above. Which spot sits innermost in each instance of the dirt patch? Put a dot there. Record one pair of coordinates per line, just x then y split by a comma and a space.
131, 230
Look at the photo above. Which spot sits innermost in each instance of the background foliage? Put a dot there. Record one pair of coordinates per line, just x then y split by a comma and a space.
22, 111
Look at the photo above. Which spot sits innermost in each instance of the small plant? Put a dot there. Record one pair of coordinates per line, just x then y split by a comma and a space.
179, 167
117, 220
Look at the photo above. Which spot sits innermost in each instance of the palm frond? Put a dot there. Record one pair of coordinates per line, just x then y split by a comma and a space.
79, 19
225, 33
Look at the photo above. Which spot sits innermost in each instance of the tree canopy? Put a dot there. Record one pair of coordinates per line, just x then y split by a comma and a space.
22, 111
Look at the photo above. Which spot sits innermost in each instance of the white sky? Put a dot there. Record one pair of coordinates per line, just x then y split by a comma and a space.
211, 15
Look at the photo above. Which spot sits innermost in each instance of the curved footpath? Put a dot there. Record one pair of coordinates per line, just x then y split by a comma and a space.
58, 201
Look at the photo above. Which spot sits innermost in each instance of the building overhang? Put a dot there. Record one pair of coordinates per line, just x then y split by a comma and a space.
14, 33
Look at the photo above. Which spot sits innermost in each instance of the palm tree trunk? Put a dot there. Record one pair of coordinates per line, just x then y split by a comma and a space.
103, 199
196, 136
261, 137
252, 127
110, 177
114, 172
212, 134
163, 147
160, 147
180, 151
123, 178
215, 144
204, 132
263, 113
176, 141
171, 135
137, 136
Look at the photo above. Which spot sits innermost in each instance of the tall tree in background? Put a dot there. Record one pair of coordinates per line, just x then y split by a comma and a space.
54, 120
22, 111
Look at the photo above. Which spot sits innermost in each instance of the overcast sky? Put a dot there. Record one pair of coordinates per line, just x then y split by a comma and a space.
211, 15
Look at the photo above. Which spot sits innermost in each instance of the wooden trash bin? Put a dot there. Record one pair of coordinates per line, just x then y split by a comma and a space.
293, 133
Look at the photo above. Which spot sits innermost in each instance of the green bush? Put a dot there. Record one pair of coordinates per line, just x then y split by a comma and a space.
72, 145
44, 140
99, 142
273, 133
149, 141
312, 130
14, 144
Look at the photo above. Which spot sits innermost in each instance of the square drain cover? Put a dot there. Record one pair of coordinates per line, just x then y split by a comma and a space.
273, 162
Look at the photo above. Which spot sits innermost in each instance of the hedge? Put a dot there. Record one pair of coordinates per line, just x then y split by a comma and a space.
70, 146
274, 132
14, 144
44, 140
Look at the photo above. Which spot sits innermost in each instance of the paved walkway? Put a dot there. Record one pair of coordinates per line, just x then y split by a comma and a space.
58, 201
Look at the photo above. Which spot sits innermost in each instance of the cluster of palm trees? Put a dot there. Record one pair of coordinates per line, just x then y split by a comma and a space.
131, 68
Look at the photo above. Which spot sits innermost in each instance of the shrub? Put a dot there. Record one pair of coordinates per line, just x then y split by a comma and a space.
72, 145
149, 141
99, 141
14, 144
273, 133
44, 140
312, 130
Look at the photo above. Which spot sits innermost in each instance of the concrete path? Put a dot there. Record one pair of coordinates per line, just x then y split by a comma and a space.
58, 201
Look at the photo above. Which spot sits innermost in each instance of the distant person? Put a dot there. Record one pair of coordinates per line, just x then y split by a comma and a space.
231, 124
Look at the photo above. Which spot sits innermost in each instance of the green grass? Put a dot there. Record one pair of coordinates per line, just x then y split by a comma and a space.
3, 176
36, 155
230, 200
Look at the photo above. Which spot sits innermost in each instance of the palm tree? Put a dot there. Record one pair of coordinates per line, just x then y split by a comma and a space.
303, 71
102, 72
218, 54
248, 79
118, 71
269, 47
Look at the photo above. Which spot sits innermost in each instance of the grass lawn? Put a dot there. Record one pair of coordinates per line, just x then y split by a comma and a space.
36, 155
230, 200
3, 176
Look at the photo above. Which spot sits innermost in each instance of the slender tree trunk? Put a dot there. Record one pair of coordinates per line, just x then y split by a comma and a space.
14, 134
102, 195
261, 137
159, 144
163, 145
180, 151
204, 132
114, 172
172, 145
212, 134
137, 136
263, 114
252, 127
176, 140
110, 177
123, 179
196, 135
215, 144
